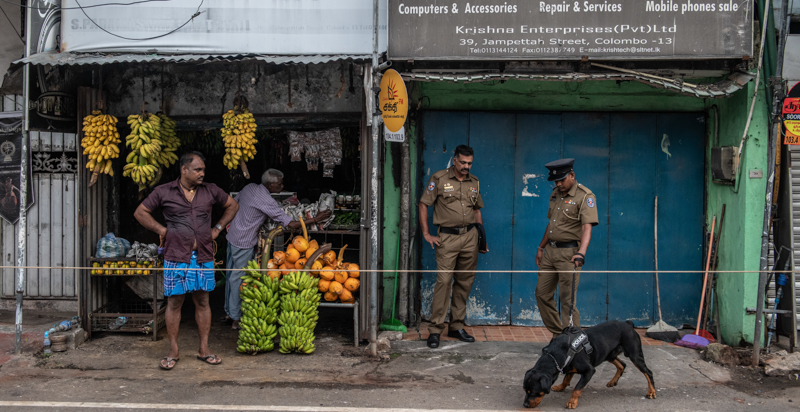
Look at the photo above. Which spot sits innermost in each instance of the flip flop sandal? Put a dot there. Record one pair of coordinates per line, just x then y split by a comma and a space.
210, 359
236, 326
168, 359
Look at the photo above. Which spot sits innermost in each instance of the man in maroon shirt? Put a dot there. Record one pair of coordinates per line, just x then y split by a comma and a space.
188, 251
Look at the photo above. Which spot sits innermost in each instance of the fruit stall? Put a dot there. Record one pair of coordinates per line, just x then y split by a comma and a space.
132, 153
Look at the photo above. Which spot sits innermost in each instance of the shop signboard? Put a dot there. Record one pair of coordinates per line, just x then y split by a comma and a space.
10, 163
557, 29
222, 27
393, 101
791, 117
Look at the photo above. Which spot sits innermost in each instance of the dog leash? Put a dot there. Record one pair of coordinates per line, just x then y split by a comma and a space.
572, 296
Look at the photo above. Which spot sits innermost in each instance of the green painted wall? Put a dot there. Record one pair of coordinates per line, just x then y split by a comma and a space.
391, 211
740, 246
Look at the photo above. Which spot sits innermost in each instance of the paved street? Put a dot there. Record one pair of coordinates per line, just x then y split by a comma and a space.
119, 372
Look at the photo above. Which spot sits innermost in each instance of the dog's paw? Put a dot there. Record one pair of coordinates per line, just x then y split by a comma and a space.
559, 388
612, 383
572, 404
651, 394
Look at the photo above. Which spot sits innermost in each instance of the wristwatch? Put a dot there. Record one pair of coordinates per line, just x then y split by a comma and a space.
218, 226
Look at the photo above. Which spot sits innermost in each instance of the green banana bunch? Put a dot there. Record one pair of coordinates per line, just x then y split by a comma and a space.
299, 305
260, 302
169, 142
144, 160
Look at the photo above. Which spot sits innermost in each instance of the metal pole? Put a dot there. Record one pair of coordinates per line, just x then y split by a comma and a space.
23, 191
374, 231
771, 155
405, 228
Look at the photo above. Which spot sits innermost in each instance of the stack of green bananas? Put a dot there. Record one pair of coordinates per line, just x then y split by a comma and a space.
260, 301
299, 312
239, 135
100, 139
145, 143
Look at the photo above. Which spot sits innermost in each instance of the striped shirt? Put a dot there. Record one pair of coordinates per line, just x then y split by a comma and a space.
255, 206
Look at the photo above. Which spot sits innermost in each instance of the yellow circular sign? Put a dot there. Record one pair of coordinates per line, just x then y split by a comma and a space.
393, 100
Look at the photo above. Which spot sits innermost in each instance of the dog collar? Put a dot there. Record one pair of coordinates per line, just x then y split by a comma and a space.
560, 369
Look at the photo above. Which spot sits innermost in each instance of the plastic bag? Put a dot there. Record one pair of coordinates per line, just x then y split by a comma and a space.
110, 246
144, 252
327, 201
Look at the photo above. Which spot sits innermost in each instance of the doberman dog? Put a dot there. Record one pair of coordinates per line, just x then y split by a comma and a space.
608, 340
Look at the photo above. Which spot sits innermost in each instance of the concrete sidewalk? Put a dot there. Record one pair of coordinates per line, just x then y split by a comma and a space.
34, 324
122, 368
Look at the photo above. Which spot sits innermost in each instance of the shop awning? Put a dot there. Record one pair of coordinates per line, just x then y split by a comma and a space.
81, 59
723, 88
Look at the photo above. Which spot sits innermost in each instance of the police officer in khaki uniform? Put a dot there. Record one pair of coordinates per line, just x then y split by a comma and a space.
455, 196
571, 216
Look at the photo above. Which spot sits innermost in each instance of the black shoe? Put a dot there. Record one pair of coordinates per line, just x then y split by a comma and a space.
461, 335
433, 340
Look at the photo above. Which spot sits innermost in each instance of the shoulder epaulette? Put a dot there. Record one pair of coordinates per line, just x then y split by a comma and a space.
585, 189
440, 173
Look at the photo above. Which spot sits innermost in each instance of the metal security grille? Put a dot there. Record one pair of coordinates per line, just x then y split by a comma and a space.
52, 220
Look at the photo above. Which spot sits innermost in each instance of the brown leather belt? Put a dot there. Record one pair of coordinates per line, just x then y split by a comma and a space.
560, 245
456, 230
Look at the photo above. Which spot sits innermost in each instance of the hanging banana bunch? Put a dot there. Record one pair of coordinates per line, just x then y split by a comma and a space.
169, 142
100, 140
239, 135
146, 150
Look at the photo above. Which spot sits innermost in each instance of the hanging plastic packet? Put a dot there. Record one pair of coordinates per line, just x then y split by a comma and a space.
296, 146
312, 163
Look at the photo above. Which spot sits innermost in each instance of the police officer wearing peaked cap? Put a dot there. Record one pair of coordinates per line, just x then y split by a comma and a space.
455, 196
571, 215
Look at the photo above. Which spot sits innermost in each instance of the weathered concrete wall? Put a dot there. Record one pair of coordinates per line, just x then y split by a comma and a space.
741, 242
197, 95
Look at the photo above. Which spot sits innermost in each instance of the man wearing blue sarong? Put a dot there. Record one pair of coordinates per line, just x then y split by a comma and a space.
186, 205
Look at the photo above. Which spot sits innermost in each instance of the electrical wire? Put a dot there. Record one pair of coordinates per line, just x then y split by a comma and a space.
77, 8
197, 13
12, 25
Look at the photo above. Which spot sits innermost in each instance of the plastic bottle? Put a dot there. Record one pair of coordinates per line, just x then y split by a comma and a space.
65, 325
47, 344
118, 323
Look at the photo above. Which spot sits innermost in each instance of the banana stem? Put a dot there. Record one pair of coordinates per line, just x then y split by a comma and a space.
319, 252
95, 173
303, 225
270, 237
341, 254
244, 169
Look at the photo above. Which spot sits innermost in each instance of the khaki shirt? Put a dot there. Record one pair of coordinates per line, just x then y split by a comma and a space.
569, 212
453, 202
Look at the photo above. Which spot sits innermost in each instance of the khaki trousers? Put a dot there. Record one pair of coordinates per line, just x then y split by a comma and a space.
557, 259
456, 259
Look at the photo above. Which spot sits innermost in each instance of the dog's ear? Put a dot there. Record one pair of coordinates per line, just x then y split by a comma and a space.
545, 382
528, 375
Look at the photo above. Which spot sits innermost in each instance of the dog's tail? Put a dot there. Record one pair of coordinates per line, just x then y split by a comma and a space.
630, 322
